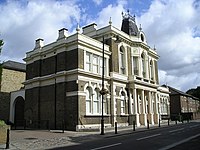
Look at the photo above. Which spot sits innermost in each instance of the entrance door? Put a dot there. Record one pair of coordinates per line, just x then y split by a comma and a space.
19, 112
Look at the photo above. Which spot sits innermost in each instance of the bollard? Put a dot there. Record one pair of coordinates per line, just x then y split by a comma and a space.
147, 124
115, 127
24, 124
188, 121
168, 122
63, 126
176, 121
133, 125
159, 123
8, 139
48, 125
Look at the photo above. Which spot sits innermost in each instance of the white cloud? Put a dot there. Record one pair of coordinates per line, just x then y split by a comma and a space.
114, 11
97, 2
23, 23
171, 26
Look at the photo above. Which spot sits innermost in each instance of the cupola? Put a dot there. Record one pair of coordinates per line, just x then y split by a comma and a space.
129, 25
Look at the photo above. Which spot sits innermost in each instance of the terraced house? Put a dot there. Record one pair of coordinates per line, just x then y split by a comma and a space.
64, 78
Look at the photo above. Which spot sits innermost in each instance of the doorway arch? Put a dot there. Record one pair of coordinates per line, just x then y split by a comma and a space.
17, 98
19, 112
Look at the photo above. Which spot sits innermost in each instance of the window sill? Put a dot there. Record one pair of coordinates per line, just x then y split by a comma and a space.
96, 115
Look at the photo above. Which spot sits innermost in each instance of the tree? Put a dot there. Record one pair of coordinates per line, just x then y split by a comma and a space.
194, 92
1, 45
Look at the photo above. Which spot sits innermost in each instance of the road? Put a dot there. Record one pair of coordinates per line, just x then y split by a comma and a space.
181, 137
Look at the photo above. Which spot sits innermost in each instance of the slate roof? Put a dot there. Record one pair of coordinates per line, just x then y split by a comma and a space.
175, 91
13, 65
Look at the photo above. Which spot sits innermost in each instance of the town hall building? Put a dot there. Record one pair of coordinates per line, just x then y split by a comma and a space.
64, 79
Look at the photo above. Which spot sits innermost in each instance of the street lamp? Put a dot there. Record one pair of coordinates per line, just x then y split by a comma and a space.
102, 92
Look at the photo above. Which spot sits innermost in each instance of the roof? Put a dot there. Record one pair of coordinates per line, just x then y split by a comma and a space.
175, 91
128, 25
13, 65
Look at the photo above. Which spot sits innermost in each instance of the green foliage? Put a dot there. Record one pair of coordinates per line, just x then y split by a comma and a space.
1, 45
2, 123
0, 73
194, 92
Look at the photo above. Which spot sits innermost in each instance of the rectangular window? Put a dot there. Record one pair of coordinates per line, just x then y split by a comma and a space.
100, 65
88, 62
95, 64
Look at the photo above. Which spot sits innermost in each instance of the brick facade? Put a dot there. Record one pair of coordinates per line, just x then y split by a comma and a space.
64, 80
183, 104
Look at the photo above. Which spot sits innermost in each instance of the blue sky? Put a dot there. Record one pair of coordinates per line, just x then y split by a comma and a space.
173, 26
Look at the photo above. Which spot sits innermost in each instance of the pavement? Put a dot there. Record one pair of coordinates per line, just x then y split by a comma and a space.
43, 139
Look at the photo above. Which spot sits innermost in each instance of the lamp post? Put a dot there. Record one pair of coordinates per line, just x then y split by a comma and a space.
102, 92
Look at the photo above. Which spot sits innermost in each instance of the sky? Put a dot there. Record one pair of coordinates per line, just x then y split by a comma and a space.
173, 26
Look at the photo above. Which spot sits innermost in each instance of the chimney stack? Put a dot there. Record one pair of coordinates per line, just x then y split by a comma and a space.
62, 33
39, 43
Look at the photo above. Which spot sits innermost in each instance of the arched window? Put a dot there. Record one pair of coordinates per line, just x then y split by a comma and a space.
96, 101
143, 65
122, 60
142, 37
122, 102
135, 65
88, 100
151, 70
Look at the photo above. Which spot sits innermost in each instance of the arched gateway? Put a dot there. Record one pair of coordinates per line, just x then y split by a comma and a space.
17, 99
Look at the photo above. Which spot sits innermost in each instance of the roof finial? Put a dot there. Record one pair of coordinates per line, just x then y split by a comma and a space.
78, 28
140, 27
154, 48
128, 12
110, 21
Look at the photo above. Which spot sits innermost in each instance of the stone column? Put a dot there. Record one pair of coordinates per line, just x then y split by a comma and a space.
130, 104
114, 104
140, 66
143, 116
135, 96
151, 120
156, 114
